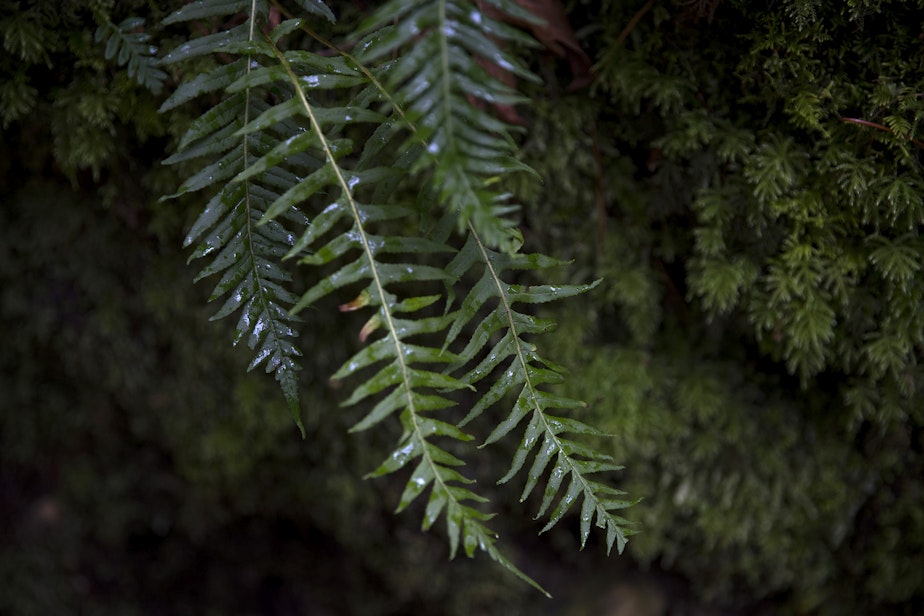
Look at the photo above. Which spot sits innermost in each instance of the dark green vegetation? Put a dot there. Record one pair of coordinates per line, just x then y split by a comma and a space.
745, 180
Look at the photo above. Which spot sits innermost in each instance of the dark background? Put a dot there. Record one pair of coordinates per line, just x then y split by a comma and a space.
144, 471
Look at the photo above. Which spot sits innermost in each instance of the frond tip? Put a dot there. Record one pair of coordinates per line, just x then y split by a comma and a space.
448, 494
577, 461
522, 371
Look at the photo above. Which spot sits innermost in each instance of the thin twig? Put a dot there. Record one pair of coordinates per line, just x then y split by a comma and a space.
880, 127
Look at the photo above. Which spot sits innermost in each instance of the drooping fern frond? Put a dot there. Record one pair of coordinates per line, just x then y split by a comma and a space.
402, 378
245, 253
128, 46
301, 132
441, 83
523, 372
430, 86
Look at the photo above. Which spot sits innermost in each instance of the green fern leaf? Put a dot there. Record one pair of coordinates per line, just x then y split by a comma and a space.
318, 8
244, 252
434, 111
272, 160
402, 375
214, 8
435, 80
522, 372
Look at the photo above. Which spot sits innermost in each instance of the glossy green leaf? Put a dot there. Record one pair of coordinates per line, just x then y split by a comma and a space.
530, 438
574, 490
203, 83
420, 479
246, 256
406, 451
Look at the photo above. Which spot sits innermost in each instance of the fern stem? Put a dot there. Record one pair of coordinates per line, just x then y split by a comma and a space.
354, 209
632, 23
362, 68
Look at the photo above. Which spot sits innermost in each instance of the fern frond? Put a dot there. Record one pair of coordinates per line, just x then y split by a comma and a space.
430, 101
522, 371
279, 144
133, 48
439, 81
245, 253
402, 378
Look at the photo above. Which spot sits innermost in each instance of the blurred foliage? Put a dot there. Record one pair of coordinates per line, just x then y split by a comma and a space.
747, 180
755, 346
54, 69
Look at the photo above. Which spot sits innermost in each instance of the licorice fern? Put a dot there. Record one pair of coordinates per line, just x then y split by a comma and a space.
333, 137
411, 388
432, 85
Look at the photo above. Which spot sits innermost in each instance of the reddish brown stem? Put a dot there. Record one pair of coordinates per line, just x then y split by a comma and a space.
879, 127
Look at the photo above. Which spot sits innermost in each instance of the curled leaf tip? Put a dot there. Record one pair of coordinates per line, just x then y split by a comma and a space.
371, 325
358, 302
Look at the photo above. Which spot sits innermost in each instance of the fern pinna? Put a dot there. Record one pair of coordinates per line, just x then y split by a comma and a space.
333, 137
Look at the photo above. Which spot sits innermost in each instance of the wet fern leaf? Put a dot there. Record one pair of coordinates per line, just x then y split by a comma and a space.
227, 233
397, 361
498, 339
445, 92
300, 136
